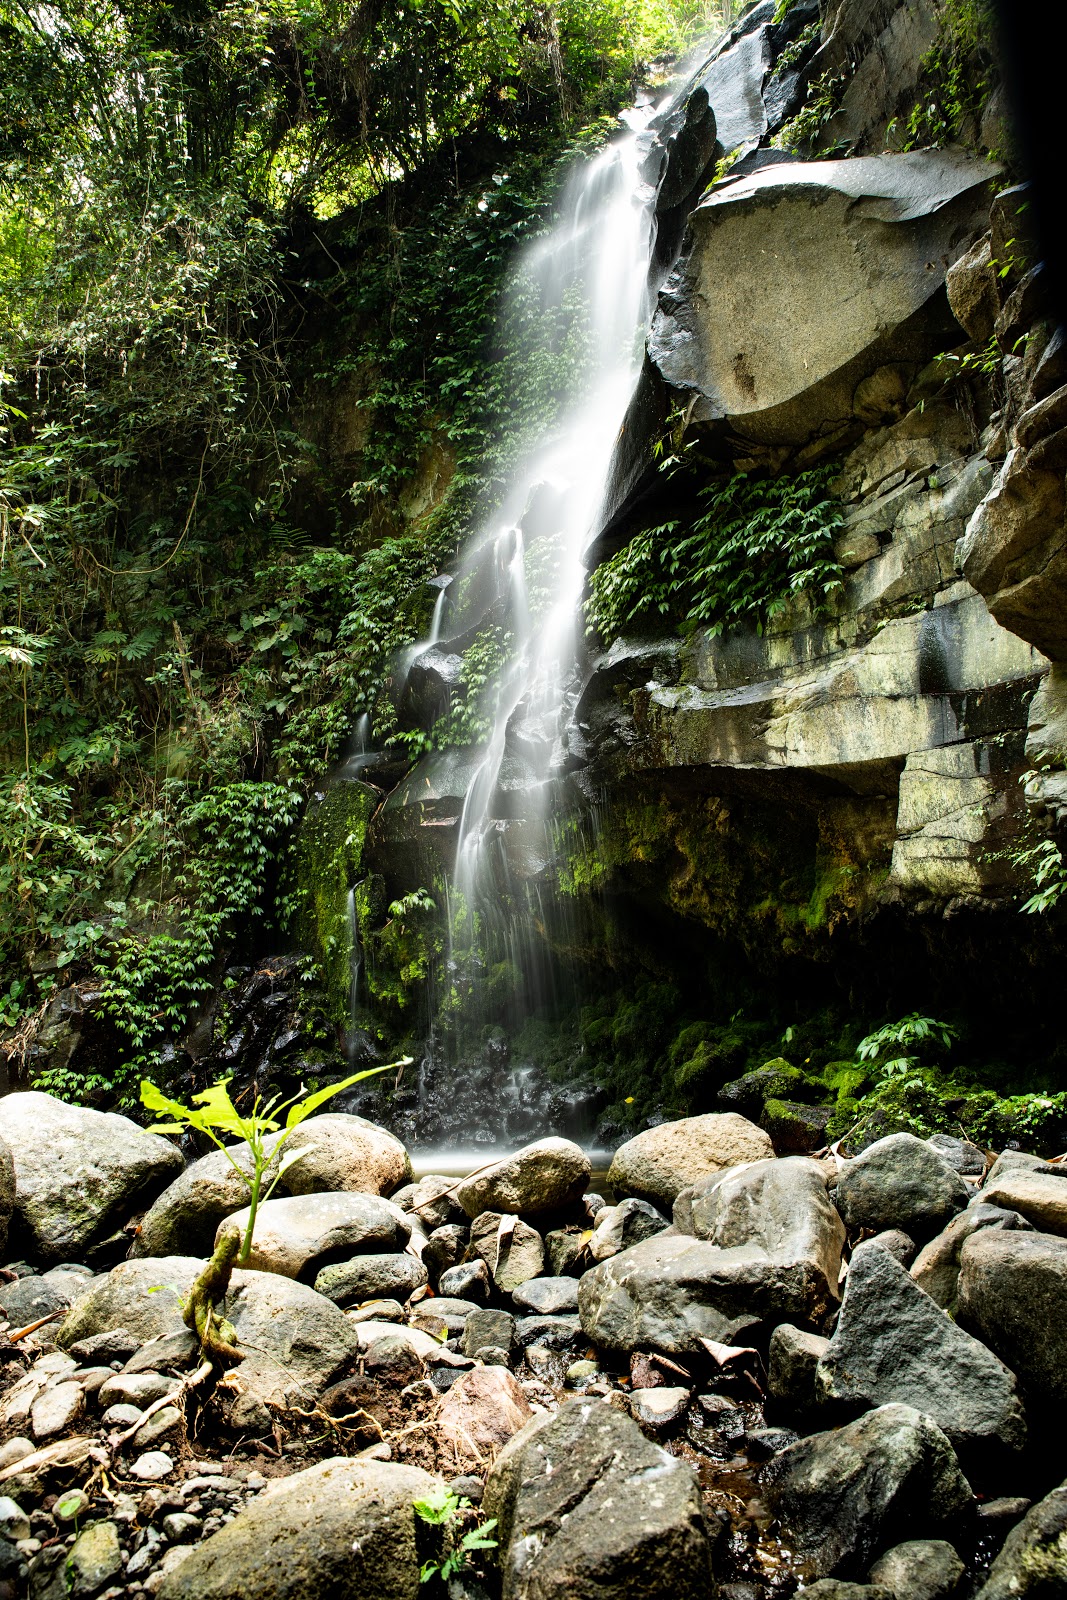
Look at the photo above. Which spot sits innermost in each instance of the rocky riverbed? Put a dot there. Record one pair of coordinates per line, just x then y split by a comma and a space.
747, 1375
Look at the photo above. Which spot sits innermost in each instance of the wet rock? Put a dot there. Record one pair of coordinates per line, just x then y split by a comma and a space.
485, 1327
56, 1410
1033, 1562
900, 1182
340, 1152
540, 1177
936, 1269
512, 1250
1003, 1512
792, 1368
38, 1295
1037, 1196
659, 1409
842, 1494
659, 1163
901, 1246
619, 1227
1012, 1294
344, 1528
371, 1277
841, 1589
921, 1569
893, 1343
445, 1248
481, 1411
468, 1281
433, 1200
588, 1507
293, 1233
548, 1297
79, 1172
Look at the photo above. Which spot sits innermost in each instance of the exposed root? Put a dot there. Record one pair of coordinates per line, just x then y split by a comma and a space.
217, 1335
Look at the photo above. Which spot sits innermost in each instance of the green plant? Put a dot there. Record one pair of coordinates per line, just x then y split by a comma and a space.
1045, 861
956, 75
445, 1509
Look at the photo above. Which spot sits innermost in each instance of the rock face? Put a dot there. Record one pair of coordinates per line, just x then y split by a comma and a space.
585, 1503
900, 1182
1012, 1293
340, 1152
860, 249
843, 1494
539, 1177
291, 1235
79, 1173
1033, 1562
659, 1163
343, 1528
893, 1343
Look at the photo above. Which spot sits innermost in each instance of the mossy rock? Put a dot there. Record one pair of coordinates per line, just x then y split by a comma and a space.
329, 860
795, 1128
775, 1080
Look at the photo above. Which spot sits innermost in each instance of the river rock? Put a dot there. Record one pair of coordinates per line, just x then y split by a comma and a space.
444, 1315
1037, 1196
340, 1152
540, 1177
137, 1298
373, 1277
893, 1343
137, 1388
844, 1493
936, 1269
512, 1250
920, 1569
960, 1154
481, 1411
79, 1173
56, 1410
901, 1246
7, 1193
344, 1529
468, 1281
659, 1163
619, 1227
484, 1327
292, 1234
547, 1297
1032, 1564
1013, 1295
38, 1295
433, 1200
556, 1333
445, 1248
660, 1408
587, 1507
792, 1368
900, 1182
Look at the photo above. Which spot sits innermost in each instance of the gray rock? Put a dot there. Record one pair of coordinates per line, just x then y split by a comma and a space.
160, 1425
901, 1246
566, 1252
38, 1295
444, 1314
56, 1410
619, 1227
116, 1344
556, 1333
16, 1449
936, 1269
153, 1466
900, 1182
845, 1493
293, 1233
343, 1528
893, 1343
14, 1523
1012, 1290
867, 231
658, 1164
433, 1200
1033, 1562
792, 1368
659, 1409
921, 1569
7, 1192
842, 1589
1018, 1161
371, 1277
512, 1250
445, 1248
961, 1154
1037, 1196
172, 1350
548, 1297
540, 1177
137, 1388
468, 1281
484, 1327
121, 1415
137, 1300
587, 1507
340, 1152
79, 1173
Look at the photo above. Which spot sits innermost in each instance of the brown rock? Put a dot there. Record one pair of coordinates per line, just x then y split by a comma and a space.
483, 1410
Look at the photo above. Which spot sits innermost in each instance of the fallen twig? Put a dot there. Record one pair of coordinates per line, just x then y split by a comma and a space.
24, 1333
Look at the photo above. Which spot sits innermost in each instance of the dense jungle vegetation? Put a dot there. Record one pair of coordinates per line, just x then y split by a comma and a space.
205, 211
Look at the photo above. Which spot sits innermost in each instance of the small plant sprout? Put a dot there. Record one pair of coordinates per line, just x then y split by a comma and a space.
214, 1114
443, 1509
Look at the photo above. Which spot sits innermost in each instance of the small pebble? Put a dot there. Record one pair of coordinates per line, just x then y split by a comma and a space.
581, 1372
72, 1505
121, 1415
152, 1466
16, 1449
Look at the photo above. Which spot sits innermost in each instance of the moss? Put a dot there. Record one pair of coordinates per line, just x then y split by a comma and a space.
329, 860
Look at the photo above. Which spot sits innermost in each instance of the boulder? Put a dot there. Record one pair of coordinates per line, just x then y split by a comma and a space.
936, 1269
672, 1292
373, 1277
294, 1234
512, 1250
340, 1152
1013, 1295
619, 1227
1039, 1197
587, 1507
900, 1182
843, 1494
344, 1529
792, 1368
959, 1153
893, 1343
971, 283
1032, 1564
920, 1569
79, 1173
140, 1298
481, 1411
861, 248
548, 1297
7, 1192
540, 1177
659, 1163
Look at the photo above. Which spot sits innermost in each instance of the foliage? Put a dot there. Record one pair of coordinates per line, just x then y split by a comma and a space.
442, 1508
1045, 862
956, 75
759, 543
822, 102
